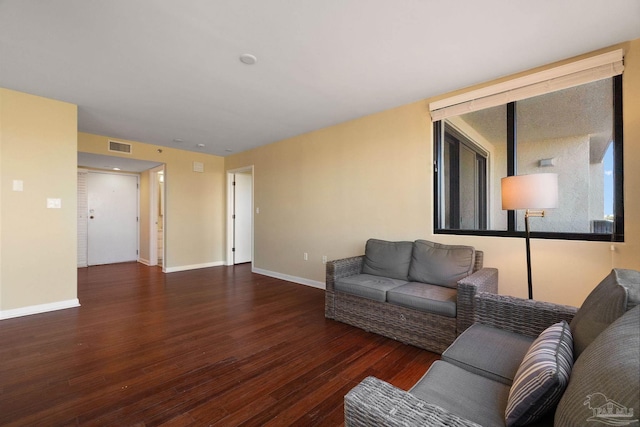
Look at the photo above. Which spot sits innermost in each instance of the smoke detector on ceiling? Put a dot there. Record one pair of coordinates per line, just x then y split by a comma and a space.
247, 58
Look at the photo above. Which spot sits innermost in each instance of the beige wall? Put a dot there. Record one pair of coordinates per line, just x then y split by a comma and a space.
38, 139
628, 254
327, 191
195, 204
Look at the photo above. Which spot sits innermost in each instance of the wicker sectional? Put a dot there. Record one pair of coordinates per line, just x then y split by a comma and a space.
473, 383
433, 332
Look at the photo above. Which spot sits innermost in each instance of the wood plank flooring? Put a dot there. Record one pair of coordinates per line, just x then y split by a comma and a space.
211, 347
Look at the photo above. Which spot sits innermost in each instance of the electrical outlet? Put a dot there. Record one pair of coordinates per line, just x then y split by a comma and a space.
324, 259
306, 256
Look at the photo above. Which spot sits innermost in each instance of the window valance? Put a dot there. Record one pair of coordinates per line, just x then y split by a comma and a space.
562, 77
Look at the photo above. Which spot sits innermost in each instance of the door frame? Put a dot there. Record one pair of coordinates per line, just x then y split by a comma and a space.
153, 217
230, 193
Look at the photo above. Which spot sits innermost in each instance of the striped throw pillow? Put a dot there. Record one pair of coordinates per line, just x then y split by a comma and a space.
542, 376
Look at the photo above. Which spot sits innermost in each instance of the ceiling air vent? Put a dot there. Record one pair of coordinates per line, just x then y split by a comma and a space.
120, 147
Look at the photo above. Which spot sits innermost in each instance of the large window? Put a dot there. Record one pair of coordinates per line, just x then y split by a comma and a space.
575, 132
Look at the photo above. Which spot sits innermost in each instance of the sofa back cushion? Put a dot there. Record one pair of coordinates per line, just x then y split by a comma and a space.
387, 259
616, 293
604, 385
439, 264
630, 280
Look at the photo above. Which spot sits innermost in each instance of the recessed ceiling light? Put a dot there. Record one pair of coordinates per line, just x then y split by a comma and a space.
201, 145
247, 58
228, 150
116, 169
178, 140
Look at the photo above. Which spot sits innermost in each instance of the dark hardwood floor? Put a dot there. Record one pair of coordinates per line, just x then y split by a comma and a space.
218, 346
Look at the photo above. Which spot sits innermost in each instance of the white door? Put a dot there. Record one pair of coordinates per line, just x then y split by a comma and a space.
113, 218
242, 213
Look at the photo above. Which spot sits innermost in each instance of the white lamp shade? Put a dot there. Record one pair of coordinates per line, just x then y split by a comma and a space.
535, 191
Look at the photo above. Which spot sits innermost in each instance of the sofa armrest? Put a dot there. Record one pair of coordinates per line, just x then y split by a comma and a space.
523, 316
374, 402
483, 280
344, 267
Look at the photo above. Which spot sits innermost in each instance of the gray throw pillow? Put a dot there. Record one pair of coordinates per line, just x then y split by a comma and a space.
542, 376
605, 303
604, 388
439, 264
387, 259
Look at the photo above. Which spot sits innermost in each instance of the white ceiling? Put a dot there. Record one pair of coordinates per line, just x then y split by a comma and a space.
160, 70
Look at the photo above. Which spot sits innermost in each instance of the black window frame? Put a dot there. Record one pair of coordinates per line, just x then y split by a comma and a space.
617, 234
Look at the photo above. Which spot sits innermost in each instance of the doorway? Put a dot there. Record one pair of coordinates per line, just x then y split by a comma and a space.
157, 196
240, 216
112, 223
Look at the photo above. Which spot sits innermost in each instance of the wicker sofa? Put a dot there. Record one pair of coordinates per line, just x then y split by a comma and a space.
419, 293
501, 371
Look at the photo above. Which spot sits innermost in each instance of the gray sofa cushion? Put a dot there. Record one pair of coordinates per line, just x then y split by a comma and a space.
604, 377
387, 259
439, 264
421, 296
491, 352
542, 376
605, 303
368, 286
630, 280
463, 393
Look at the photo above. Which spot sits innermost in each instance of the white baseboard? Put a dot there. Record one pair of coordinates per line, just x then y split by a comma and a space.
193, 266
40, 308
288, 278
146, 262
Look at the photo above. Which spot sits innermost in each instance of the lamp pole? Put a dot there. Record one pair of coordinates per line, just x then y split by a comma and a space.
528, 244
529, 213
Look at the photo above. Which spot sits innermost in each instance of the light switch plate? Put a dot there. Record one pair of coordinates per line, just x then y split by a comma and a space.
54, 203
18, 185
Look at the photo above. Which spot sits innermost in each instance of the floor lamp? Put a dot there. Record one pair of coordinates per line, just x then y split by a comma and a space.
534, 193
